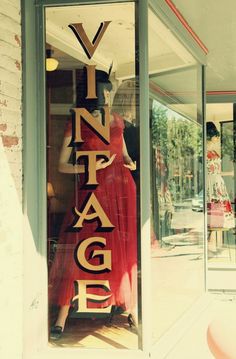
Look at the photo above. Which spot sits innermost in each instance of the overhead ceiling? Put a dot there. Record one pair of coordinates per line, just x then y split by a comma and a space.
109, 50
118, 44
214, 21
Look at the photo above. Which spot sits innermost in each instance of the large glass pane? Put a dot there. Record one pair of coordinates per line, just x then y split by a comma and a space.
177, 178
221, 184
92, 176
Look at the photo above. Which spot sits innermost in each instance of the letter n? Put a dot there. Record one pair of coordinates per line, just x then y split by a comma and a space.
99, 128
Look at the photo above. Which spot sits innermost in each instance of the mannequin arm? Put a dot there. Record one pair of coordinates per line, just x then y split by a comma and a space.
230, 173
65, 153
66, 167
127, 159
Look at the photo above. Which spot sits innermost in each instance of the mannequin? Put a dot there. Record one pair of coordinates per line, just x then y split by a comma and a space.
220, 213
125, 104
117, 194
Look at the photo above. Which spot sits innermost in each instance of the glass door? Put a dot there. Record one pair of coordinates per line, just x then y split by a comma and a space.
177, 200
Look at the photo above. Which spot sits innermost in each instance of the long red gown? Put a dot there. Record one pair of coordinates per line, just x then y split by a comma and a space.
116, 194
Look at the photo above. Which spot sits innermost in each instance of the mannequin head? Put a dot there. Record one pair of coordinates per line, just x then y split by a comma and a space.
213, 134
103, 88
126, 100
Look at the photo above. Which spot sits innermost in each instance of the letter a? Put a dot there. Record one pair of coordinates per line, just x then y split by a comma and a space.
98, 212
88, 46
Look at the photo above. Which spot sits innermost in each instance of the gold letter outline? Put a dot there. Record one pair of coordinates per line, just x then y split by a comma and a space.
82, 297
91, 179
103, 255
88, 46
103, 131
92, 202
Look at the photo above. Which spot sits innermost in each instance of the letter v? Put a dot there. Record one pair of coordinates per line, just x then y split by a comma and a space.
89, 48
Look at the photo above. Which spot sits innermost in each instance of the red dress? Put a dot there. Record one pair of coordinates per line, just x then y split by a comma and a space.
116, 194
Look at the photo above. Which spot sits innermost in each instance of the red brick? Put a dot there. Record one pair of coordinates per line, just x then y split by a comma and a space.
9, 141
18, 66
3, 103
17, 39
3, 127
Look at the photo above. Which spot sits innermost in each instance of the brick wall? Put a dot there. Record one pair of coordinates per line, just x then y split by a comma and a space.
10, 87
11, 237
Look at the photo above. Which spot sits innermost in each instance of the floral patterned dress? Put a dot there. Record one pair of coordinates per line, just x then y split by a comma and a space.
219, 209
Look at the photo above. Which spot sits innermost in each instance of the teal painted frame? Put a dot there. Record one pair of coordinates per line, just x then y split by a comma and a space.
77, 2
31, 125
203, 100
220, 98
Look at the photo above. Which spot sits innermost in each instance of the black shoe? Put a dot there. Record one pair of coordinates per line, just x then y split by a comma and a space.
115, 310
56, 332
130, 320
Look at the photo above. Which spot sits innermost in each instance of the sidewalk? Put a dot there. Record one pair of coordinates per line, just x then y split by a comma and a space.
194, 344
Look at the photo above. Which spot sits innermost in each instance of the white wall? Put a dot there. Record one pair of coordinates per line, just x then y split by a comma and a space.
10, 180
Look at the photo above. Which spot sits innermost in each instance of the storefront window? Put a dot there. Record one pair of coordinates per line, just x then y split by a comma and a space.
92, 176
221, 184
177, 226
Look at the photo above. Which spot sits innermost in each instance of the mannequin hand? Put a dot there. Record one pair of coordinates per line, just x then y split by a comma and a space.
131, 165
101, 164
